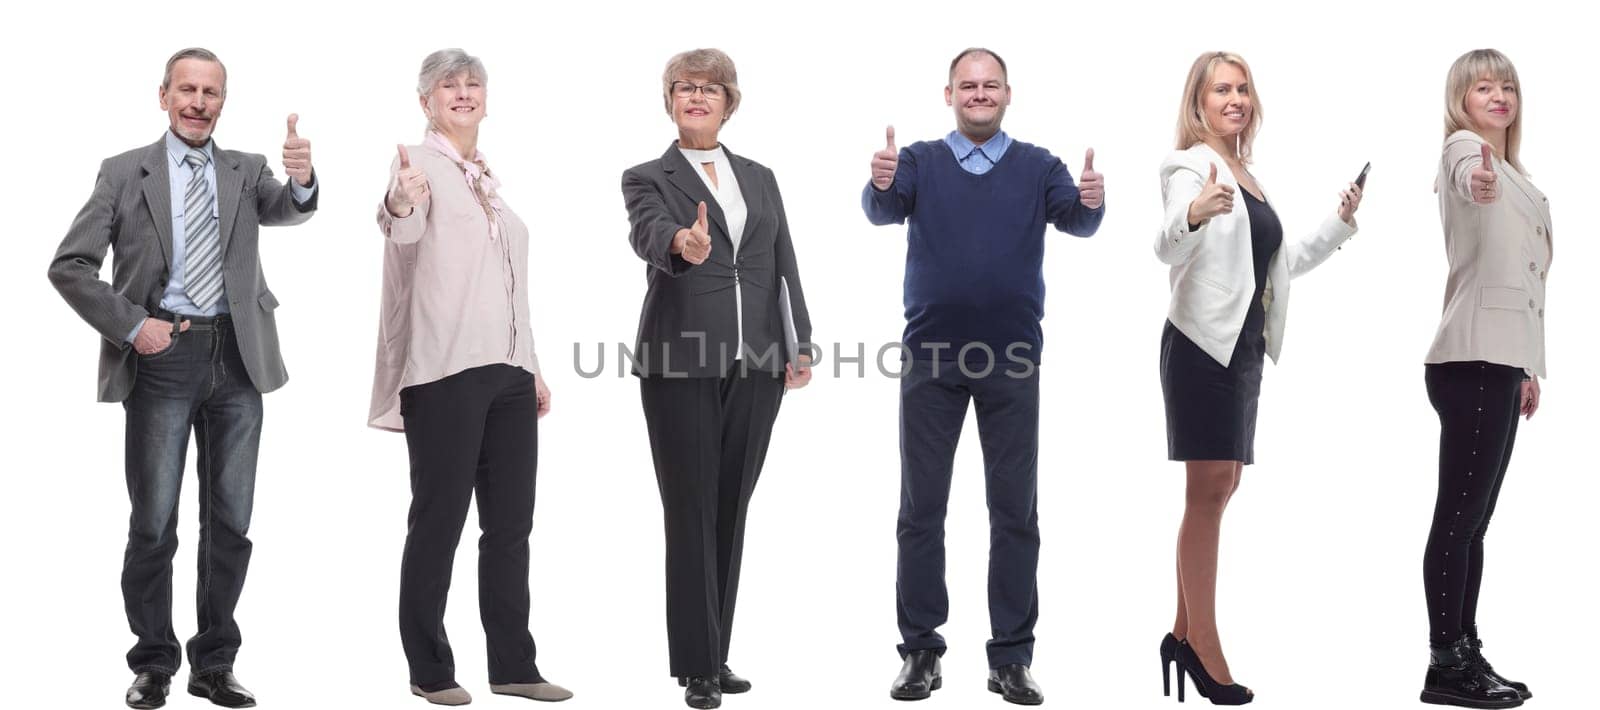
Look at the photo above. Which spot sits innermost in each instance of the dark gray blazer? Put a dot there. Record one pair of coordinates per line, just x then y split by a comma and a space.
687, 325
131, 212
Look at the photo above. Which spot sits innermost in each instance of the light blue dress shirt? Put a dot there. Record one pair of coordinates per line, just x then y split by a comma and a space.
977, 159
175, 299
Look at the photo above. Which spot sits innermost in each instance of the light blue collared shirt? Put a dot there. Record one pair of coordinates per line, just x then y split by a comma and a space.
175, 299
977, 159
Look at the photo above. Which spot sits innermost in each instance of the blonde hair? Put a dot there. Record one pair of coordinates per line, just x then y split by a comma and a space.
1464, 73
1192, 124
712, 63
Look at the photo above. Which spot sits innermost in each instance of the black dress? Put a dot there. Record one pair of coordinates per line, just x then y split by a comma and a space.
1211, 409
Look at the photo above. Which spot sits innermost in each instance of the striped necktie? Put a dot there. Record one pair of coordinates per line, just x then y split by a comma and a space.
202, 262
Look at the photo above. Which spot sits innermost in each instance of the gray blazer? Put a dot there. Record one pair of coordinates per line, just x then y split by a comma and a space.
130, 211
687, 324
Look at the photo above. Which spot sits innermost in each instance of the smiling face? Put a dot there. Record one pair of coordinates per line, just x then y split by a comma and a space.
193, 99
457, 104
1226, 101
698, 111
979, 93
1492, 104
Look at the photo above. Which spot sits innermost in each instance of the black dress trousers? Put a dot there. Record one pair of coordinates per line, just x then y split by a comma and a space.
709, 437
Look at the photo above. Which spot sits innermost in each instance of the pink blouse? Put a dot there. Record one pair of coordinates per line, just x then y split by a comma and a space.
455, 286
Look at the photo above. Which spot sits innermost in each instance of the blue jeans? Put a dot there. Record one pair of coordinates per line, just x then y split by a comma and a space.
198, 383
933, 406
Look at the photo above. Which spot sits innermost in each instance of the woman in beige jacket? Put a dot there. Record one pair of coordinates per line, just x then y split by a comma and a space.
1483, 368
457, 373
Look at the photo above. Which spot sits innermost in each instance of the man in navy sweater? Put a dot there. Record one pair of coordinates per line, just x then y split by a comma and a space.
978, 203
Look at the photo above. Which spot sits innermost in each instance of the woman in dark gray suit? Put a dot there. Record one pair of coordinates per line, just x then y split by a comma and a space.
713, 357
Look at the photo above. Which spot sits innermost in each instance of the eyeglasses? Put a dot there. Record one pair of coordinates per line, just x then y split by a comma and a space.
714, 91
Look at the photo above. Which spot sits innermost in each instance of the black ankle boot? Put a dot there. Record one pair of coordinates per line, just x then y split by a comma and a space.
1454, 678
1488, 670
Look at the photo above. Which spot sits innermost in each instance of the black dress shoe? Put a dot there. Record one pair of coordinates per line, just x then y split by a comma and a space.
1454, 678
919, 676
149, 690
729, 681
221, 688
1015, 684
702, 692
1488, 670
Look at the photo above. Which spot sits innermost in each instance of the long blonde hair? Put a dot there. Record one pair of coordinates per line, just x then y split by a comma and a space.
1192, 124
1464, 73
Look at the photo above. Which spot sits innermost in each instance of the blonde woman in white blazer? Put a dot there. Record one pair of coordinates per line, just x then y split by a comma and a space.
1483, 368
1231, 267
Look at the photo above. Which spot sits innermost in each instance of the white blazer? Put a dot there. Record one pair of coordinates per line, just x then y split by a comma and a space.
1499, 259
1213, 270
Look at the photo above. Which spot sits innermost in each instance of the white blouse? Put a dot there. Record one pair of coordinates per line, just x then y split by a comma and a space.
728, 196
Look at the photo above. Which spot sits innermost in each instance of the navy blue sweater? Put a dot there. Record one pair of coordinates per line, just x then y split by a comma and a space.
975, 247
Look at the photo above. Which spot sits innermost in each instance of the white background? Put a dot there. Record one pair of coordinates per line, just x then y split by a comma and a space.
1320, 599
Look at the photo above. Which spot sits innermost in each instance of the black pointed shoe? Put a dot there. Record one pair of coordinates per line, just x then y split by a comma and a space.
1488, 670
221, 688
919, 676
149, 690
1454, 678
1218, 693
702, 692
1015, 683
729, 681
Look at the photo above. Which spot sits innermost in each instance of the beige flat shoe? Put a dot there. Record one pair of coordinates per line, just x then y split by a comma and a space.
546, 692
448, 696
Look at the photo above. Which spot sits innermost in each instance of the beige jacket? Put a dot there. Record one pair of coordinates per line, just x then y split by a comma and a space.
1213, 275
1499, 259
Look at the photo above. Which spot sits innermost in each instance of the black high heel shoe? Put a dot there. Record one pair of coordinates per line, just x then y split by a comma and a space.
1217, 693
1169, 652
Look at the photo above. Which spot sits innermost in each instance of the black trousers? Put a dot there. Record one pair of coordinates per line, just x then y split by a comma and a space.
709, 437
474, 431
933, 406
1478, 404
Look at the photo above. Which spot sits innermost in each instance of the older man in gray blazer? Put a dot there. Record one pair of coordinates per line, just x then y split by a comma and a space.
188, 340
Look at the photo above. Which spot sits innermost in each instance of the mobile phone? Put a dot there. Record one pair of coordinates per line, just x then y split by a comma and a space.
1361, 180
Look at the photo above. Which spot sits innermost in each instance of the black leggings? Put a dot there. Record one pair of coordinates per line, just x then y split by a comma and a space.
1478, 404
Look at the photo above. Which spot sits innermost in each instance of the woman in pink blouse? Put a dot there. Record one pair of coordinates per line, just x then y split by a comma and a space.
457, 373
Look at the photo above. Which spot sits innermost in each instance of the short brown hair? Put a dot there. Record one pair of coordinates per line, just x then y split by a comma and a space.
713, 63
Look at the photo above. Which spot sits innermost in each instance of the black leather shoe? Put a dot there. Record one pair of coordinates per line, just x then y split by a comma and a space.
221, 688
919, 676
1488, 670
1015, 684
729, 681
1454, 678
702, 692
149, 690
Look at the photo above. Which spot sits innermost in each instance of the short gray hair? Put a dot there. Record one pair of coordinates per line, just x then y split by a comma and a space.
199, 53
713, 63
446, 63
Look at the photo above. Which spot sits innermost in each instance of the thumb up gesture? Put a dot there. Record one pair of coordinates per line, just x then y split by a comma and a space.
1485, 184
297, 154
694, 243
408, 188
1214, 199
1091, 187
885, 162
